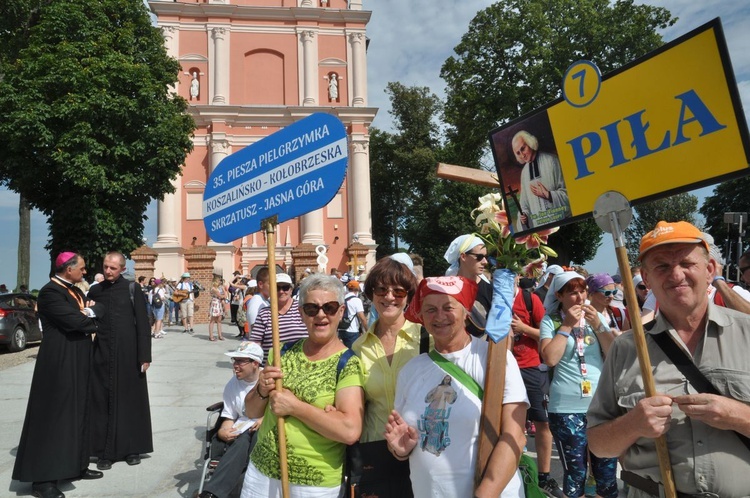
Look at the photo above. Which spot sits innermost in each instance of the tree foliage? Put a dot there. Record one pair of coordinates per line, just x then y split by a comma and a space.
512, 60
90, 134
680, 207
727, 197
409, 203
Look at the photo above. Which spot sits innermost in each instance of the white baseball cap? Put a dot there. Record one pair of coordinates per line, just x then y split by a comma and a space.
247, 349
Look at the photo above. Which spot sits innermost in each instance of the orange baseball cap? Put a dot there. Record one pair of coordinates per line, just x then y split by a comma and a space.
671, 233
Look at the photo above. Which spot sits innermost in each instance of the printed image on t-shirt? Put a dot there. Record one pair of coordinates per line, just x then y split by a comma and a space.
433, 425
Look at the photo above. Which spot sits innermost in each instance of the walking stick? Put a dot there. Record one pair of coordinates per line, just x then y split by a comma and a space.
270, 227
490, 423
611, 211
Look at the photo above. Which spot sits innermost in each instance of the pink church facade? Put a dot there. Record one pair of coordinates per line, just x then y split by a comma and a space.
250, 68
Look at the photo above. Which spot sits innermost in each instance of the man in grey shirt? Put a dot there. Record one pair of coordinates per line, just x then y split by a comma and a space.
706, 454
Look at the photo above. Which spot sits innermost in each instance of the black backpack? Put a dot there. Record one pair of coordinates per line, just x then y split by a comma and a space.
346, 320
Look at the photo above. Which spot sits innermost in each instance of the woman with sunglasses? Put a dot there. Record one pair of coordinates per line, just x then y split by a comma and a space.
602, 292
438, 406
574, 339
321, 400
389, 343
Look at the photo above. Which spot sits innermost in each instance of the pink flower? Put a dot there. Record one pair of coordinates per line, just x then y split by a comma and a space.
501, 217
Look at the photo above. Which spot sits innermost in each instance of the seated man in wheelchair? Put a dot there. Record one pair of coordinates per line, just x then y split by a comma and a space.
236, 430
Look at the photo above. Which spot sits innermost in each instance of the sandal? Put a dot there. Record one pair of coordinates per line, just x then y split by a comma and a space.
221, 338
212, 339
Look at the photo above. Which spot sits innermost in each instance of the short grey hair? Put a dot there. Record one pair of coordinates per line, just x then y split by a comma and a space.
320, 281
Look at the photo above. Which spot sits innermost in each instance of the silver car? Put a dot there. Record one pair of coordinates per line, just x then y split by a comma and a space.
19, 323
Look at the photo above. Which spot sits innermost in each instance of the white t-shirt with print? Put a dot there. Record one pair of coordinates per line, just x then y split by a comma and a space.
446, 416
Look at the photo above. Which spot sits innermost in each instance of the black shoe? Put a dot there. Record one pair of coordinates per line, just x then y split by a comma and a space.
207, 494
88, 475
133, 459
46, 490
550, 488
104, 464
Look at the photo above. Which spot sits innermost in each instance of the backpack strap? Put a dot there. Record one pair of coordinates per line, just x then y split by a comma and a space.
424, 341
529, 302
458, 373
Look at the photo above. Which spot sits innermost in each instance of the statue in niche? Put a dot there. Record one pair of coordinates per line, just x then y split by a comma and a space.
333, 87
195, 87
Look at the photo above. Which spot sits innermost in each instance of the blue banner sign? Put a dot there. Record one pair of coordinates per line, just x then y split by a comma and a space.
290, 173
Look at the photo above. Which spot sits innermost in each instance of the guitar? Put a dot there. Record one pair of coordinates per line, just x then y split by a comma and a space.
180, 295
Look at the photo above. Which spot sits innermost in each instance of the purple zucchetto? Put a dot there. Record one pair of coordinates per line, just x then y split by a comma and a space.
597, 281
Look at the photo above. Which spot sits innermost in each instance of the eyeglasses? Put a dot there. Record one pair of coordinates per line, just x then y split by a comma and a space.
284, 287
479, 257
398, 292
330, 308
240, 361
641, 287
608, 293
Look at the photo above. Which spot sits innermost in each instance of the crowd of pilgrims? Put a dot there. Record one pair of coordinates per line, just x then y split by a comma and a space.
408, 414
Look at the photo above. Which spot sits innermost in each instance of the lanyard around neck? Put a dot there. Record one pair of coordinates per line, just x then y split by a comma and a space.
70, 290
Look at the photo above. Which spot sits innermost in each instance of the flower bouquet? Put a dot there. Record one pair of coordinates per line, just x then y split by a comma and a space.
511, 256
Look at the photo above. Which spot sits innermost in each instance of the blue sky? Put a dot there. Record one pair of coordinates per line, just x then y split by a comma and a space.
410, 40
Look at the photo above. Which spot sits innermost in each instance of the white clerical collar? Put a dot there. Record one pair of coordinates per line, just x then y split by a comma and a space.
66, 281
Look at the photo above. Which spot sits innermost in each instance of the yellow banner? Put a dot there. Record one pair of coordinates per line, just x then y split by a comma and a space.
670, 123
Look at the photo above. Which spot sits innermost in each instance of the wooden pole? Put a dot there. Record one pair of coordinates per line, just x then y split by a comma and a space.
467, 175
270, 227
639, 336
490, 424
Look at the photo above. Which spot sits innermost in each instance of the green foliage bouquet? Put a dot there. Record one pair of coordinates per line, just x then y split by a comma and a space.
521, 255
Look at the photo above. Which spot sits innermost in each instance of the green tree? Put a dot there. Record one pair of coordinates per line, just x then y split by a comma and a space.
409, 203
90, 133
727, 197
680, 207
512, 61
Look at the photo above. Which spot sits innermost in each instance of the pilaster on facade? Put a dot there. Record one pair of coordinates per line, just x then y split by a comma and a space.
220, 148
309, 40
219, 64
357, 42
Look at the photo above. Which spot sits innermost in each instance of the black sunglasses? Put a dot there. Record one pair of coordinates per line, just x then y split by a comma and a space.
284, 287
330, 308
479, 257
641, 287
608, 293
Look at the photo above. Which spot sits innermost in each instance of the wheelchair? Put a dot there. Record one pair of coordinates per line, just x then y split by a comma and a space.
213, 447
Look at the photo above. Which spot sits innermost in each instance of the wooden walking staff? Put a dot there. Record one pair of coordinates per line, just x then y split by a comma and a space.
612, 212
269, 224
490, 422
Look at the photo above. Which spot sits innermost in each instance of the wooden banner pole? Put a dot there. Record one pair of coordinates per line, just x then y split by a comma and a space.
490, 423
270, 227
641, 347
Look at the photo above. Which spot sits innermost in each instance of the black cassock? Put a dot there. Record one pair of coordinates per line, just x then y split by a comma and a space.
120, 411
55, 438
